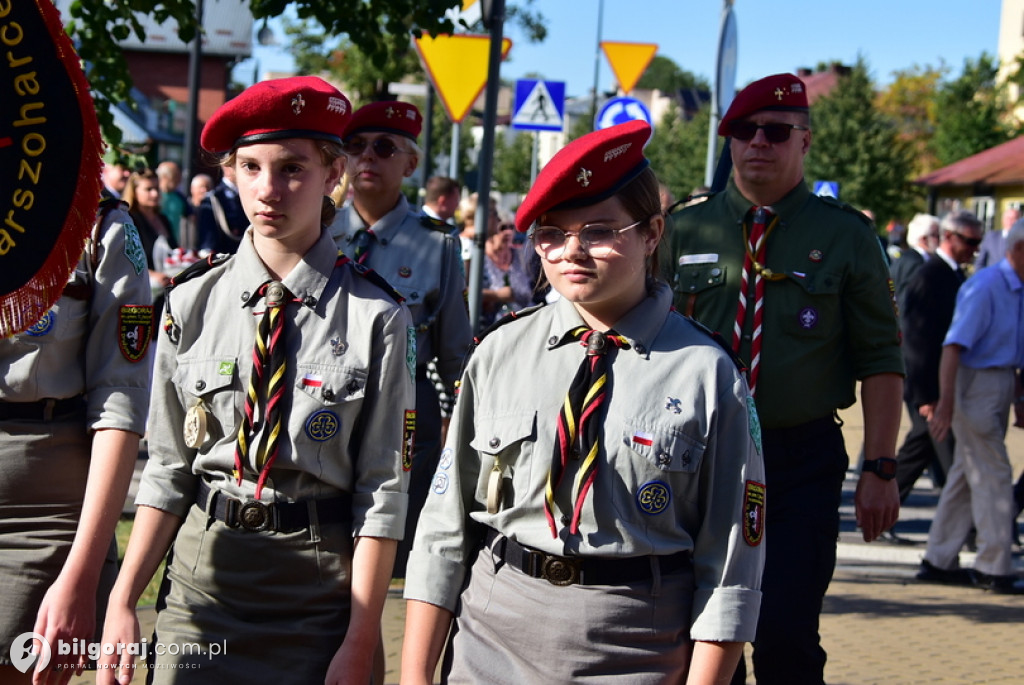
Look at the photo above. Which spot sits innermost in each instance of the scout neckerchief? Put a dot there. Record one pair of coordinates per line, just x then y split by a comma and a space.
580, 419
754, 268
361, 242
266, 383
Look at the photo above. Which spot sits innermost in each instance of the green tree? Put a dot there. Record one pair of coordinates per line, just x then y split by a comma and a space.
973, 112
860, 148
678, 150
909, 101
665, 75
512, 160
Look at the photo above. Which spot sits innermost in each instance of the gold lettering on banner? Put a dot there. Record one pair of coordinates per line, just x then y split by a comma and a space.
6, 241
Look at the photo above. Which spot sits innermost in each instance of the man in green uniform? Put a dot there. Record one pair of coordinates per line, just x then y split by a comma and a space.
799, 286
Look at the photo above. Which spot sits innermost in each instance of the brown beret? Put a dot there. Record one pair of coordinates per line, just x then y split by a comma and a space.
778, 92
295, 107
588, 170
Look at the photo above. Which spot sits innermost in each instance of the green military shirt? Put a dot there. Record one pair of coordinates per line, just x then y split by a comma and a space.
828, 323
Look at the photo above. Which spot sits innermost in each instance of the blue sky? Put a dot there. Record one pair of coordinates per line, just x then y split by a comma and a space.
772, 36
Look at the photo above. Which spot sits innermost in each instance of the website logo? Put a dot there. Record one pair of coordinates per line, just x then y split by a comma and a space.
24, 655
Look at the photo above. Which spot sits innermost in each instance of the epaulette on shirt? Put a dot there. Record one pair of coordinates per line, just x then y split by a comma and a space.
370, 275
846, 207
171, 328
503, 321
433, 224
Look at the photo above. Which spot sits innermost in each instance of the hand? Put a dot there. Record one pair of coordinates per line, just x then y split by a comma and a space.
505, 294
120, 628
926, 411
351, 665
877, 503
67, 613
941, 420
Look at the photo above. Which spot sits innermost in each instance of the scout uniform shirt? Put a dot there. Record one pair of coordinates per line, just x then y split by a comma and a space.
348, 386
828, 323
95, 339
425, 266
679, 442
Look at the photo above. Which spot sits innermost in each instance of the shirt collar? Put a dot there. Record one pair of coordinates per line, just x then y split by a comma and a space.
306, 281
941, 254
640, 326
384, 229
1012, 279
786, 208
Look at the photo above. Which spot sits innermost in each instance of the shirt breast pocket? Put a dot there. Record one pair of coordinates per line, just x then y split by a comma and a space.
692, 279
509, 439
414, 287
665, 447
808, 307
210, 384
323, 398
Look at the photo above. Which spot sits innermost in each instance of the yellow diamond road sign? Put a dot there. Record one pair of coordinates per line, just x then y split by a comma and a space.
628, 61
457, 66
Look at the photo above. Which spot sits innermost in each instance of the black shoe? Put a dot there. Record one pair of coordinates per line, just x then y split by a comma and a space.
893, 538
999, 585
934, 574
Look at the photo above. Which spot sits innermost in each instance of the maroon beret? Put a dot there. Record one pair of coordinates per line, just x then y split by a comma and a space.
400, 118
778, 92
588, 170
295, 107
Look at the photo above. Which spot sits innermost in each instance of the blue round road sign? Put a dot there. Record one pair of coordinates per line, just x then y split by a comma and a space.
620, 110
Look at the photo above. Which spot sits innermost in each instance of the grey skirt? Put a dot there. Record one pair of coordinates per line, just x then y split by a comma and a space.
43, 471
240, 606
511, 628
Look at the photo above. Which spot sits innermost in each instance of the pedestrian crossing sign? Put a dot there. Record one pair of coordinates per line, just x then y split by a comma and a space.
540, 105
827, 189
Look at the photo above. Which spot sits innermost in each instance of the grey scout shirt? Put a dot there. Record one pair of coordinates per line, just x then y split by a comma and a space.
348, 387
426, 267
679, 445
90, 345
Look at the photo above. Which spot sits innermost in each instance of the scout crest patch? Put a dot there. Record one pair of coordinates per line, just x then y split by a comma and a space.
135, 329
50, 162
753, 513
754, 423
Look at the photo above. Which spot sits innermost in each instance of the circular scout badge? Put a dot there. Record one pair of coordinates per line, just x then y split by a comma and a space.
447, 458
404, 271
440, 484
194, 428
43, 326
322, 425
653, 497
808, 318
815, 256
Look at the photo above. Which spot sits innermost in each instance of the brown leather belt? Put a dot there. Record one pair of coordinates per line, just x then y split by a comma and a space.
281, 517
42, 410
584, 570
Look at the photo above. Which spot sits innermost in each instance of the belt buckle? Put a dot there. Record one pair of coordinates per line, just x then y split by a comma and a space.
255, 516
560, 571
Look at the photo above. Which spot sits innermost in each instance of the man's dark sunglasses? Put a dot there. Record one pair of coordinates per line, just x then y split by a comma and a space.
382, 147
773, 133
970, 242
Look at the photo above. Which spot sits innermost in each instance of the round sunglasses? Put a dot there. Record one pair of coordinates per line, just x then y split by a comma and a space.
383, 148
773, 132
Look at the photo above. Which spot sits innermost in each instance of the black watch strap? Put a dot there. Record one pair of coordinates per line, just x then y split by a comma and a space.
883, 467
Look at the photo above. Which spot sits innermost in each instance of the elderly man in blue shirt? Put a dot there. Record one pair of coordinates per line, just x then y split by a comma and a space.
978, 383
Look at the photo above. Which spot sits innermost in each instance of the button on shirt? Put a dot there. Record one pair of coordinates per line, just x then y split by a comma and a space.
348, 384
676, 422
988, 321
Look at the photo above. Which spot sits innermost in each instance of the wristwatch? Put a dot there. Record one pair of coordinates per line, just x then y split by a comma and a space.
883, 467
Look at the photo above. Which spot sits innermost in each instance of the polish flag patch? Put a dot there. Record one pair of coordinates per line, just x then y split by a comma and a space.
311, 380
641, 438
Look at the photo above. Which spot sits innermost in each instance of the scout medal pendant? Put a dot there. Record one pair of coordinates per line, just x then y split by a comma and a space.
494, 489
194, 429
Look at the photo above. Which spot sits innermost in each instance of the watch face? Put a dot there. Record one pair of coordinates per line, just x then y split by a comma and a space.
883, 467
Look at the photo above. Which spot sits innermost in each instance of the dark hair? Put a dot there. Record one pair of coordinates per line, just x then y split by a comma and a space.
438, 187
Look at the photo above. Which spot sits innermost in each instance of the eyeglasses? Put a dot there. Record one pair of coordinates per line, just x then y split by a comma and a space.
773, 133
383, 148
597, 240
970, 242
